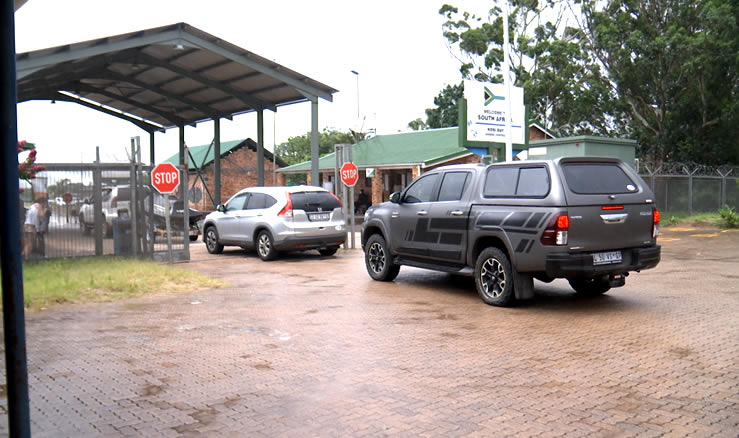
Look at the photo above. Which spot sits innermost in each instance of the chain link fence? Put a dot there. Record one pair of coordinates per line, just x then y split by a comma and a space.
692, 188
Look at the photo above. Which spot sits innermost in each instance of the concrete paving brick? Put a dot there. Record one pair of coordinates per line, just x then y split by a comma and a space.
310, 346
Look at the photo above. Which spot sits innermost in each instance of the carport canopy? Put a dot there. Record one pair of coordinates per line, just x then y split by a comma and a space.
167, 77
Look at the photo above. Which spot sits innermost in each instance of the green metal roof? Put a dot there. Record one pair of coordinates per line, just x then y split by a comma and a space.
200, 160
424, 148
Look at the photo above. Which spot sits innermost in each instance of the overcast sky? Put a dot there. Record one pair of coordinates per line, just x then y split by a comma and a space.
396, 46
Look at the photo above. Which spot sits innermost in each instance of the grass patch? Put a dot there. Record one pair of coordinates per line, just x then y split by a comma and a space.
100, 279
671, 218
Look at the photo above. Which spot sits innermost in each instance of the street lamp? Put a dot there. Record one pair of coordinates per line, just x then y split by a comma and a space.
357, 73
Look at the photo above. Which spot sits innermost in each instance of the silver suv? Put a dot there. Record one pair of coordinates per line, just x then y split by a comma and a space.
274, 219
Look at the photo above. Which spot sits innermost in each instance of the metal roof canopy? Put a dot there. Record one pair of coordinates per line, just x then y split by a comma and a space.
164, 77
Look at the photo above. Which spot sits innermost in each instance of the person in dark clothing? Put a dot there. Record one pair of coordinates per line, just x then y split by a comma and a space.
363, 202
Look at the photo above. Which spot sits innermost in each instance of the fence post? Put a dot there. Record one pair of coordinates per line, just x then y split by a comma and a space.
97, 191
722, 200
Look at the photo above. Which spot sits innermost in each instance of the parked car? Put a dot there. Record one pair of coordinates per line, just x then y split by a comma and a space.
275, 219
589, 220
176, 215
113, 199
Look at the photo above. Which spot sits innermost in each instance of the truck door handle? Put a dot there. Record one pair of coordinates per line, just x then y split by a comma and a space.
395, 214
422, 213
614, 218
457, 212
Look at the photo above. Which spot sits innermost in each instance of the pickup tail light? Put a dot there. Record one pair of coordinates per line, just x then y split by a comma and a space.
557, 230
655, 223
114, 202
287, 210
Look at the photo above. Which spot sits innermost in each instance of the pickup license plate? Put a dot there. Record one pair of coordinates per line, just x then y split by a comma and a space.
319, 216
606, 258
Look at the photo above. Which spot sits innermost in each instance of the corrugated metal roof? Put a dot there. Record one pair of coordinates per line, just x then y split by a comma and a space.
199, 158
164, 77
410, 148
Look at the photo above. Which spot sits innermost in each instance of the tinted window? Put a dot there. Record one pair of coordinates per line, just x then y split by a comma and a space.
256, 201
124, 194
453, 185
501, 181
597, 178
237, 203
533, 181
422, 189
314, 201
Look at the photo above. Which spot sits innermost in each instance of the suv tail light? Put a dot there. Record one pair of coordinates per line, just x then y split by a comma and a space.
556, 231
287, 210
655, 223
114, 202
337, 198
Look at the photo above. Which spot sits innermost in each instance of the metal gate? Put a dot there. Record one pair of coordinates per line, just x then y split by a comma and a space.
103, 209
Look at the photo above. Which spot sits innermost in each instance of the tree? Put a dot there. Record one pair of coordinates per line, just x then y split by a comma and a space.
547, 60
298, 149
674, 65
446, 112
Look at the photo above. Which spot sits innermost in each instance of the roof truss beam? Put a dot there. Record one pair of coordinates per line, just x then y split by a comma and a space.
272, 72
254, 102
146, 126
172, 118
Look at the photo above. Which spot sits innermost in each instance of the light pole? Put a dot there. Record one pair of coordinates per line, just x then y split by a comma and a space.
357, 74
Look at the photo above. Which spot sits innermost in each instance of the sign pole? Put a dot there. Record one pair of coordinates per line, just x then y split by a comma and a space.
507, 82
351, 200
168, 226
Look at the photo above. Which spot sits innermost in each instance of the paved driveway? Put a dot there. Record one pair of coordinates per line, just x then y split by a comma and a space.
309, 346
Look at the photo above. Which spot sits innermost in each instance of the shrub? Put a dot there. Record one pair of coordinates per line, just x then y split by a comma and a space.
729, 217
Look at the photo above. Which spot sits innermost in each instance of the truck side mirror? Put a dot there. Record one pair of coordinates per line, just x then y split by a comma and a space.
221, 208
395, 198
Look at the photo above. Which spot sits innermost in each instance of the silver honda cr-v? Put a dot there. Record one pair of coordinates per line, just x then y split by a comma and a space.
274, 219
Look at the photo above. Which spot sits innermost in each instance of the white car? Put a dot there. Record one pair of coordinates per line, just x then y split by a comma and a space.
113, 199
274, 219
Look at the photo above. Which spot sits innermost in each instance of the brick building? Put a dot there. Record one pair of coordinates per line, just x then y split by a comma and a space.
238, 170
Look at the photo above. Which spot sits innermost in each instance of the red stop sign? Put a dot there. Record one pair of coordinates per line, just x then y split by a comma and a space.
165, 178
349, 174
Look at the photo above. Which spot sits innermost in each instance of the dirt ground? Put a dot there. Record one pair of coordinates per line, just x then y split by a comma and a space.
311, 346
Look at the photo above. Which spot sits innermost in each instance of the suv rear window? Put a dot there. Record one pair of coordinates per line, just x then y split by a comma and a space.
314, 201
597, 178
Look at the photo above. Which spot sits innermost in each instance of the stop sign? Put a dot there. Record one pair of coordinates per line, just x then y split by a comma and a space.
349, 174
165, 178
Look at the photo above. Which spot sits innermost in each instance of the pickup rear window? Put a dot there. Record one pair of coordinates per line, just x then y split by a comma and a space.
597, 178
517, 181
314, 201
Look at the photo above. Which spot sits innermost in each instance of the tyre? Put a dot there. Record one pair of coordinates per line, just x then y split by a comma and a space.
590, 286
494, 277
266, 246
211, 241
328, 251
193, 238
378, 260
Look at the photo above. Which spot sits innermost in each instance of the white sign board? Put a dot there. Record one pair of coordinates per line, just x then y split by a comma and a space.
487, 109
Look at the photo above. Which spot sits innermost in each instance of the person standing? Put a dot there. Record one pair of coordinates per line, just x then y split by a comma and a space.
30, 227
44, 216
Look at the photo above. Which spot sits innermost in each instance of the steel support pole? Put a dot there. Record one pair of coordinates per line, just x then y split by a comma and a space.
314, 142
16, 367
151, 149
182, 145
97, 190
216, 161
260, 147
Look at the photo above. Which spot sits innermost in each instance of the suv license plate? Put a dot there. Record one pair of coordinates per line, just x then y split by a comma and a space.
605, 258
319, 216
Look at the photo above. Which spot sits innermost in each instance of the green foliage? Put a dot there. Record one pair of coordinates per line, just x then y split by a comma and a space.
417, 125
673, 65
665, 72
97, 279
297, 149
560, 80
729, 217
446, 111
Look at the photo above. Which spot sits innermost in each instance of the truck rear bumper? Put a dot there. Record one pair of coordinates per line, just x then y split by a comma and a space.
569, 265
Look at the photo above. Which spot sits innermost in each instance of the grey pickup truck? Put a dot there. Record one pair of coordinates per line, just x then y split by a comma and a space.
589, 220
